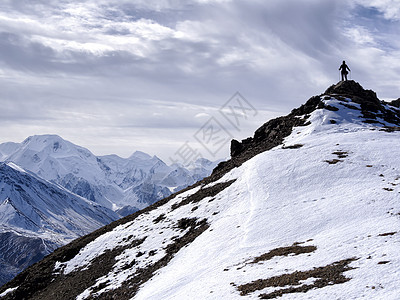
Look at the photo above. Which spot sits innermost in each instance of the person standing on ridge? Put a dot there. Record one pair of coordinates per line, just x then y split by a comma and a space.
344, 69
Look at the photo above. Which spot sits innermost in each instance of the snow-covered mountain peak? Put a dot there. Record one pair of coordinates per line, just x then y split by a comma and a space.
139, 155
55, 146
110, 180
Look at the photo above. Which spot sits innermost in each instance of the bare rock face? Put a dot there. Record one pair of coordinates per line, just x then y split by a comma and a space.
268, 136
395, 103
13, 254
371, 107
355, 91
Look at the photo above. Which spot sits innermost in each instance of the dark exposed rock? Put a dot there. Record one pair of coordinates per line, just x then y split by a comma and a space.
395, 103
130, 287
284, 251
203, 193
185, 223
325, 276
387, 233
236, 147
371, 106
354, 91
159, 218
268, 136
295, 146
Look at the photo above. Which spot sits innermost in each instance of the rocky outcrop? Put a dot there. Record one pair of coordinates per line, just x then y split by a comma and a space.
371, 107
268, 136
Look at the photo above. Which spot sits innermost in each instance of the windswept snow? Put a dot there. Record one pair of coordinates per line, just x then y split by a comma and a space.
8, 291
16, 167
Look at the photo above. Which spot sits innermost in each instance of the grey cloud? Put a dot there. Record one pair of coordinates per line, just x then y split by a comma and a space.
276, 53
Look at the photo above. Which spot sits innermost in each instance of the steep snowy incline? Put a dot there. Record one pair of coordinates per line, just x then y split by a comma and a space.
37, 216
30, 203
315, 217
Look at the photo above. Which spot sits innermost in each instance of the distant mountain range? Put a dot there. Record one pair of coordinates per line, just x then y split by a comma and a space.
124, 185
52, 191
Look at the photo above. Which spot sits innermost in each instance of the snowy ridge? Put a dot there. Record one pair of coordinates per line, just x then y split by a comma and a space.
37, 216
33, 204
316, 217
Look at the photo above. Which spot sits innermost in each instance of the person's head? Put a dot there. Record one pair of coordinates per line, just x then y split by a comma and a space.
344, 62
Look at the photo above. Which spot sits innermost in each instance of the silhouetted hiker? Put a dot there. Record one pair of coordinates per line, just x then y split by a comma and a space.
344, 69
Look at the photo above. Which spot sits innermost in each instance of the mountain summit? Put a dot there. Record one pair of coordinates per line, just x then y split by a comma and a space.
307, 208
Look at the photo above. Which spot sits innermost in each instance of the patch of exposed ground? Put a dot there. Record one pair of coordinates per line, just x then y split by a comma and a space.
371, 107
295, 146
333, 161
341, 154
349, 106
387, 233
388, 189
292, 283
159, 218
295, 249
203, 193
72, 284
390, 128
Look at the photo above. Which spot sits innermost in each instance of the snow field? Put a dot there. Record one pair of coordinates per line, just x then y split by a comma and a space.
284, 196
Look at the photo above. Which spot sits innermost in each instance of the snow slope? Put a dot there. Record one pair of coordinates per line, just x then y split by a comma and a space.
30, 203
316, 217
37, 216
347, 210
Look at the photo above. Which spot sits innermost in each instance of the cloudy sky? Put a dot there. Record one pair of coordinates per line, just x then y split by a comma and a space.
117, 76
